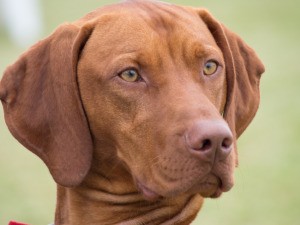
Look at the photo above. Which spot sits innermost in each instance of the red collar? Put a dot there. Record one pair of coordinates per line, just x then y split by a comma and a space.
16, 223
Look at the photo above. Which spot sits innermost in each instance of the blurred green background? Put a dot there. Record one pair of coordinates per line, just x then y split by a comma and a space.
267, 180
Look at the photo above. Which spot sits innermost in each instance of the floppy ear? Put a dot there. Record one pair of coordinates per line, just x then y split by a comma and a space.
42, 105
243, 71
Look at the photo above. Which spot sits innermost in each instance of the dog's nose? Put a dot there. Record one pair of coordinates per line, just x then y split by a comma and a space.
209, 139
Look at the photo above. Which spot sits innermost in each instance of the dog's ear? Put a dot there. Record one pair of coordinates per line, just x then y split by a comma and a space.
243, 73
42, 104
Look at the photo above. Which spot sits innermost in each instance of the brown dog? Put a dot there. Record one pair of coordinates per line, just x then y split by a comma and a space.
135, 109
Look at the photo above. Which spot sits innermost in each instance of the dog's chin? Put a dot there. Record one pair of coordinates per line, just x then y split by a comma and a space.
211, 187
207, 190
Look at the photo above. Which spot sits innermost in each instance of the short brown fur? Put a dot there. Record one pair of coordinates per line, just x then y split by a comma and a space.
118, 150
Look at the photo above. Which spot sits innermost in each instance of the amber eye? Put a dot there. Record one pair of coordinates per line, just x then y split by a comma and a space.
130, 75
210, 68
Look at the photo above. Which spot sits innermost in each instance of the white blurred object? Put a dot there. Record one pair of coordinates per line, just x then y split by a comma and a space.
23, 20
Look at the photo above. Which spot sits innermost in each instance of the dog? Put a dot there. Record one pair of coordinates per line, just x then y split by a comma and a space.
135, 109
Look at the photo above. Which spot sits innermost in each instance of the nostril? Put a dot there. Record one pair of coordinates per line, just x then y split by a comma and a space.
227, 142
205, 145
226, 148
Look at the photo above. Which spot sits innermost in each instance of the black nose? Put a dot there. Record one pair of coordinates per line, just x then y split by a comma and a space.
209, 139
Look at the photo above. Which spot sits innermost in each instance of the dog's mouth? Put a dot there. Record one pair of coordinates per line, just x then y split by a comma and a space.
148, 194
210, 187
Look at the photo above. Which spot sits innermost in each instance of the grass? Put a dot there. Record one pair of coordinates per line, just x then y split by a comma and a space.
267, 180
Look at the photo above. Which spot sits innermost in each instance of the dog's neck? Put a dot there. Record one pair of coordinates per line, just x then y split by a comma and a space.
110, 198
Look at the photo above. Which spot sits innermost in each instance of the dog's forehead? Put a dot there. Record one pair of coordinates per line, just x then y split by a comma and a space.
140, 21
164, 16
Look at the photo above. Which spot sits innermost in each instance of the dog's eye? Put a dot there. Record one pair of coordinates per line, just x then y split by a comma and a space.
130, 75
210, 68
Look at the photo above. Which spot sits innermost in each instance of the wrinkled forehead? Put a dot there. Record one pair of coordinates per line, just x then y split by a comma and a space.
144, 23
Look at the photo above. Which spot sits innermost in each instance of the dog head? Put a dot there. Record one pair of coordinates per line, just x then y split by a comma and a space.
169, 89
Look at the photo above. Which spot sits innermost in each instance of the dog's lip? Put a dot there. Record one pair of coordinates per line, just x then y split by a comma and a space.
217, 193
214, 186
148, 194
211, 187
208, 188
221, 186
226, 186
